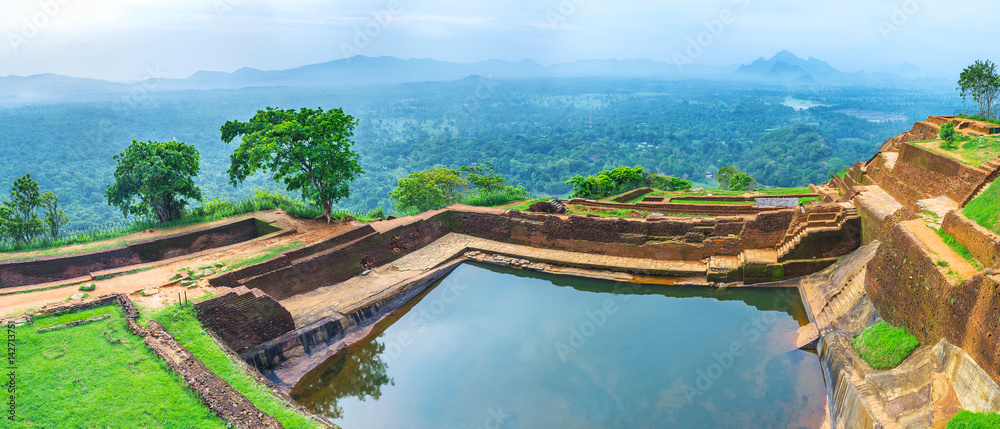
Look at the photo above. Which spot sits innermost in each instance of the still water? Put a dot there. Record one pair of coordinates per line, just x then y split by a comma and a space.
492, 347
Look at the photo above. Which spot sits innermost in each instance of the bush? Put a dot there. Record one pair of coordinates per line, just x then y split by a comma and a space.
968, 420
507, 195
884, 347
89, 287
948, 134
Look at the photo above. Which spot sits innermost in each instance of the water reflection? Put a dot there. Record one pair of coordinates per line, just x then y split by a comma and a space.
504, 348
356, 372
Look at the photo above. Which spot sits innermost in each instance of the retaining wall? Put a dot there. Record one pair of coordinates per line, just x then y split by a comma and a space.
908, 288
981, 242
45, 269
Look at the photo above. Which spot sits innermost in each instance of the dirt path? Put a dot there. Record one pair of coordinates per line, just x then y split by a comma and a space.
935, 247
158, 276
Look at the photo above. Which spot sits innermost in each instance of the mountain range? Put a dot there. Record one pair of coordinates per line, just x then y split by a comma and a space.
783, 68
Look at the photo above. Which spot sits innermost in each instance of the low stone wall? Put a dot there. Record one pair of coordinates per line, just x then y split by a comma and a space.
682, 208
235, 278
908, 288
928, 174
981, 242
349, 259
633, 195
45, 269
243, 318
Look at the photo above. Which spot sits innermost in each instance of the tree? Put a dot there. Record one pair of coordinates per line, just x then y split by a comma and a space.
980, 82
18, 218
664, 182
484, 177
726, 174
429, 190
308, 149
741, 182
154, 178
948, 134
54, 216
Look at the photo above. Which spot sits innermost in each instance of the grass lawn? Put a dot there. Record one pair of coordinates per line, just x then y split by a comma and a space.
717, 202
959, 249
524, 205
974, 152
985, 210
77, 378
181, 323
884, 347
268, 253
968, 420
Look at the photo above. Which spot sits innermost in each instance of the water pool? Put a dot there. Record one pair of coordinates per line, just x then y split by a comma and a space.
490, 347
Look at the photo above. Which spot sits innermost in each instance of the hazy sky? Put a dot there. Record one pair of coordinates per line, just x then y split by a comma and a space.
131, 40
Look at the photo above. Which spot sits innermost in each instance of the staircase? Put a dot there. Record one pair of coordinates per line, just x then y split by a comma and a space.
817, 222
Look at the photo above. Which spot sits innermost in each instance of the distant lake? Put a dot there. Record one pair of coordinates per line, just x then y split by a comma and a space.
872, 116
800, 104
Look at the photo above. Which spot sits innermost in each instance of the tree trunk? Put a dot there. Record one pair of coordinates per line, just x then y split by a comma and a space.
327, 212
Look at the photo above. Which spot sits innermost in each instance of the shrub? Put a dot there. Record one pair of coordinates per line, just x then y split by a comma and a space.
884, 347
89, 287
947, 134
968, 420
507, 195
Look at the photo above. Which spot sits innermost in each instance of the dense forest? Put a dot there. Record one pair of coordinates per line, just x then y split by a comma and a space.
538, 132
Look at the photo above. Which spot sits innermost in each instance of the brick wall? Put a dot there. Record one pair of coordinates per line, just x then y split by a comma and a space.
908, 288
243, 318
981, 242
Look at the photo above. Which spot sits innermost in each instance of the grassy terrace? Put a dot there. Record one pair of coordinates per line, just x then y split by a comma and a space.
98, 374
974, 152
103, 238
187, 330
985, 210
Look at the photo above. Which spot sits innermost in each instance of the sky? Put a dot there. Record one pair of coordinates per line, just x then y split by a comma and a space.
139, 39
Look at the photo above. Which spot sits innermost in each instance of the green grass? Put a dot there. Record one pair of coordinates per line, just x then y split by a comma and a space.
209, 211
884, 347
985, 210
268, 253
77, 378
496, 198
61, 318
972, 151
716, 202
182, 324
524, 206
968, 420
960, 249
807, 200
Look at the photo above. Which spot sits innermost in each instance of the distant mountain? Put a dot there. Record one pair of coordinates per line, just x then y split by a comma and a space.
783, 68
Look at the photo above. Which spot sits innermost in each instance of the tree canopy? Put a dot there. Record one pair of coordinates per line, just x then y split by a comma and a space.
429, 190
606, 182
18, 218
981, 82
154, 178
308, 149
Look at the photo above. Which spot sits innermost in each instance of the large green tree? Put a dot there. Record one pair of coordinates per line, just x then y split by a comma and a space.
981, 82
308, 149
18, 216
54, 217
155, 179
429, 190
